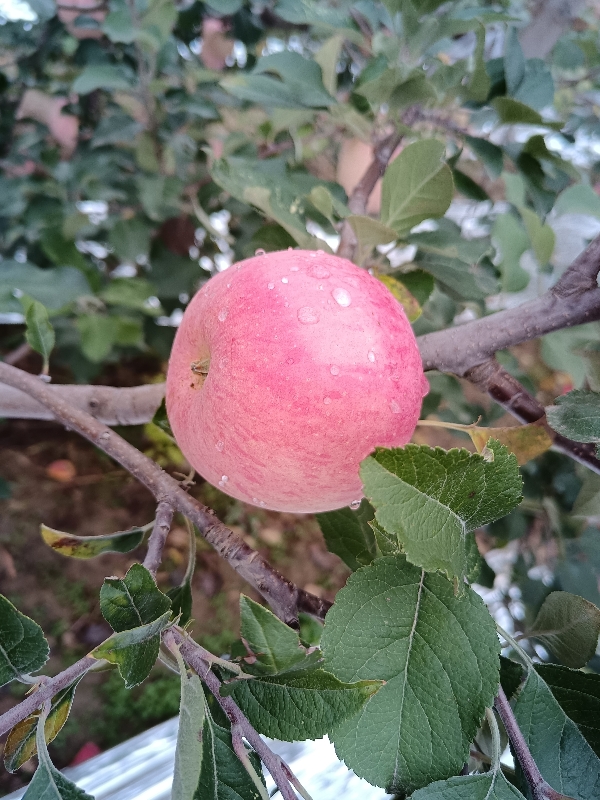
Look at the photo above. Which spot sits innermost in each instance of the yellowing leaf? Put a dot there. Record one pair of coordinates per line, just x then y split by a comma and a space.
525, 441
407, 300
68, 544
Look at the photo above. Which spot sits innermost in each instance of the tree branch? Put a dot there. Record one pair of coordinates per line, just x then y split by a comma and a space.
574, 300
158, 537
283, 596
540, 789
276, 766
46, 690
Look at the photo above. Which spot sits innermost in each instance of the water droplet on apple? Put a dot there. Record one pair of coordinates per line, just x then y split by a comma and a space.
259, 252
262, 503
335, 370
355, 504
289, 361
294, 269
270, 286
395, 378
284, 280
371, 356
395, 407
286, 304
327, 400
308, 315
341, 297
290, 248
223, 480
318, 271
320, 253
220, 445
255, 500
222, 315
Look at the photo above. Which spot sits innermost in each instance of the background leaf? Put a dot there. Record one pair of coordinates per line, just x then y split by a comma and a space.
569, 627
576, 415
348, 534
40, 333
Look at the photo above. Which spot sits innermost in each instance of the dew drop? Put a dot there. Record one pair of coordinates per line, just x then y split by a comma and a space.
290, 248
371, 356
335, 370
286, 304
395, 378
395, 407
318, 271
308, 315
289, 361
262, 504
222, 315
255, 500
327, 400
355, 504
341, 297
229, 286
223, 480
259, 252
320, 253
220, 445
284, 280
294, 269
270, 286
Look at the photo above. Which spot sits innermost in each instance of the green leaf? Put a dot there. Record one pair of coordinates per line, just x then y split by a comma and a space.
492, 786
134, 651
119, 27
21, 744
223, 776
131, 293
514, 61
68, 544
466, 186
490, 155
369, 233
98, 334
181, 601
579, 199
576, 415
55, 288
133, 600
48, 783
563, 756
431, 499
512, 242
541, 235
348, 534
578, 694
188, 752
569, 627
23, 647
40, 333
275, 645
438, 654
130, 239
102, 76
480, 83
327, 58
416, 186
161, 419
298, 705
513, 112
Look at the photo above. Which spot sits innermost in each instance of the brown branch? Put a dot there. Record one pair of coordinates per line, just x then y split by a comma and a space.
158, 537
540, 789
574, 300
283, 596
490, 377
276, 766
46, 690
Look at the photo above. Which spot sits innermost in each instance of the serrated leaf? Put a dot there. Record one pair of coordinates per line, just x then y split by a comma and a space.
578, 694
563, 756
181, 601
304, 704
569, 627
134, 651
21, 745
525, 441
40, 333
347, 533
576, 415
23, 647
223, 776
492, 786
48, 783
438, 654
275, 645
133, 600
416, 186
408, 301
431, 499
68, 544
188, 752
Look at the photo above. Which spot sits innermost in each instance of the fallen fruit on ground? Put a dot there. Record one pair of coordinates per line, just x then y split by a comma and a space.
287, 370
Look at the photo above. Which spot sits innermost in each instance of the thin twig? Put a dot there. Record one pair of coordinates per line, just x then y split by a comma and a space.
17, 354
540, 789
158, 537
282, 595
47, 690
276, 766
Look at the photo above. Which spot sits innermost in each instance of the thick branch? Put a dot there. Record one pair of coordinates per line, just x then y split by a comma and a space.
47, 690
158, 537
276, 766
110, 405
283, 596
574, 300
549, 21
490, 377
540, 789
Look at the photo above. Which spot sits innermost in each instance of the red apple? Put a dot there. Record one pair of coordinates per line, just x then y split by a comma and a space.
287, 370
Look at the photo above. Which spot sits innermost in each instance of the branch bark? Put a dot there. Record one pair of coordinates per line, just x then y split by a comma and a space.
284, 597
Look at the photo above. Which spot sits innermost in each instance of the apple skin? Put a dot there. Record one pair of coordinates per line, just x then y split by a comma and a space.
300, 387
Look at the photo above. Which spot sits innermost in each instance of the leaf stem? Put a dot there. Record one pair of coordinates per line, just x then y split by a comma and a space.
496, 746
239, 749
516, 646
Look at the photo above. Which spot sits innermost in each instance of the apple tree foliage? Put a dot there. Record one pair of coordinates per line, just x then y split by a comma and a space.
146, 144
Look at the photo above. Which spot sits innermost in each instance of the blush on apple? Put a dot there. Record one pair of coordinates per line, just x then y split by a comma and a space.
287, 370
